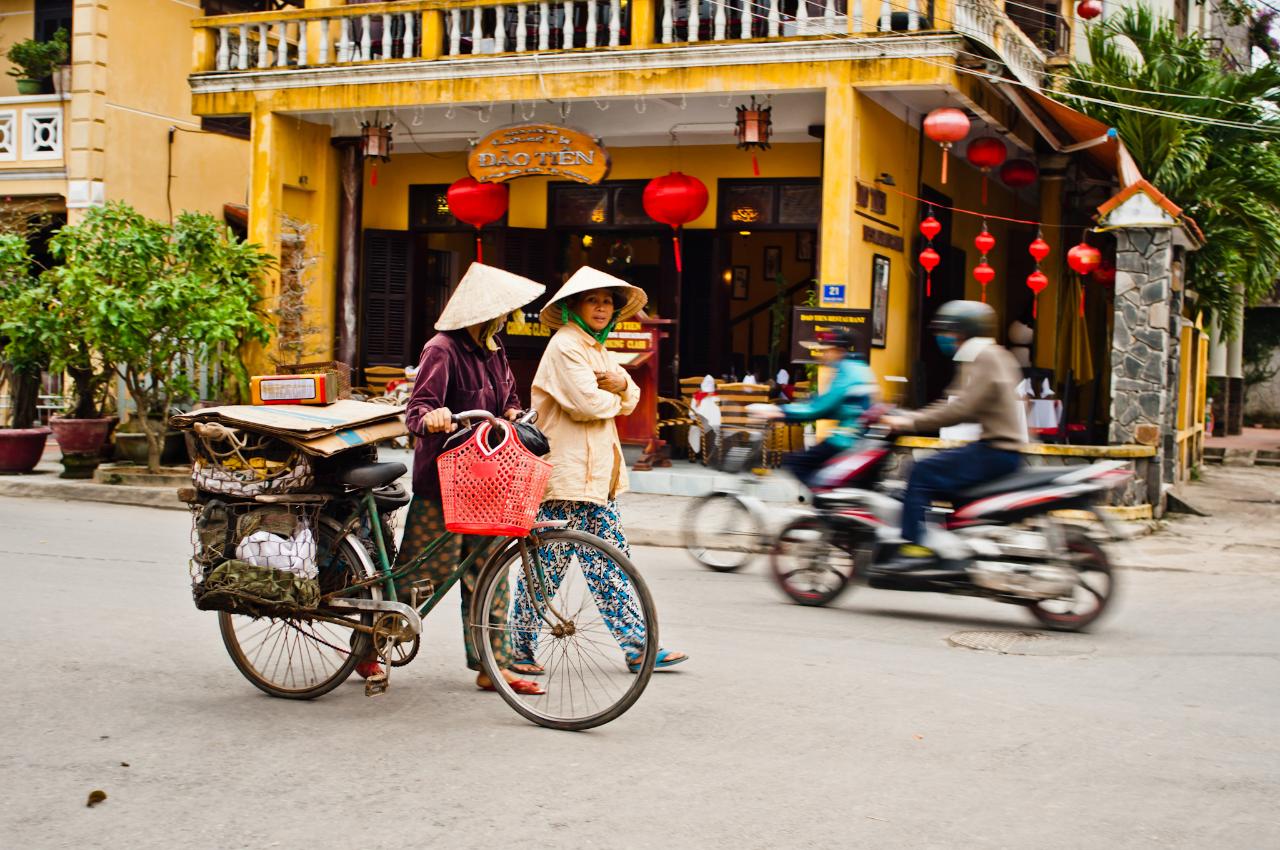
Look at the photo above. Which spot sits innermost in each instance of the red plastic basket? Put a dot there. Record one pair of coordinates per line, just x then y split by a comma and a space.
493, 492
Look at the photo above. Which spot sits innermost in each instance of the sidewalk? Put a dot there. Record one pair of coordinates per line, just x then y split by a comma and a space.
1249, 439
1242, 537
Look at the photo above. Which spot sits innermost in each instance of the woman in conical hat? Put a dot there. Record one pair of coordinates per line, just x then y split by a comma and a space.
578, 391
463, 367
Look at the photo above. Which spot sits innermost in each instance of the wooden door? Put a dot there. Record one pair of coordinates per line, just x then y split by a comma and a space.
386, 299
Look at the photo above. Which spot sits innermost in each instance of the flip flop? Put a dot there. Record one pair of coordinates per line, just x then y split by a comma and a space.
526, 667
523, 687
664, 660
365, 669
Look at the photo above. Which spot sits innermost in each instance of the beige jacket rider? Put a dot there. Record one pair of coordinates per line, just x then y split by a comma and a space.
577, 417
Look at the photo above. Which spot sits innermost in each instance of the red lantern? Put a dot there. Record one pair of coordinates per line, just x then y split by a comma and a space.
929, 258
984, 242
984, 274
477, 204
985, 154
1083, 258
1089, 9
930, 227
1038, 249
1036, 281
675, 200
946, 127
1018, 173
1105, 274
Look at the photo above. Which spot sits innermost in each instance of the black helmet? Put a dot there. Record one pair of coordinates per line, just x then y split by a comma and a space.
964, 318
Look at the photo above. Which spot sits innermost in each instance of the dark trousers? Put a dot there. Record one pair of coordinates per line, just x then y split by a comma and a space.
806, 464
948, 472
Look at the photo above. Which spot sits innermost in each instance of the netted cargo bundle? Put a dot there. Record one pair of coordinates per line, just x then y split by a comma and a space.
255, 559
232, 462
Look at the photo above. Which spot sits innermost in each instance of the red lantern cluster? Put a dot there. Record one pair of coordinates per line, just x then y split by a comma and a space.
985, 154
1083, 259
675, 199
477, 204
982, 272
1105, 274
1089, 9
1018, 173
946, 127
929, 258
1036, 281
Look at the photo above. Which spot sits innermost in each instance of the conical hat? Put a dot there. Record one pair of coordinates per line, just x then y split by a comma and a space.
483, 294
586, 279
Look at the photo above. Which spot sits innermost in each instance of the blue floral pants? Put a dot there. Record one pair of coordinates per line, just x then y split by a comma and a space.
608, 584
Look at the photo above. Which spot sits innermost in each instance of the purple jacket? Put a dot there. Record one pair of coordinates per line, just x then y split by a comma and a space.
455, 373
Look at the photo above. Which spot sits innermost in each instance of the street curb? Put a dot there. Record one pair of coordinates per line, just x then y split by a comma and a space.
83, 491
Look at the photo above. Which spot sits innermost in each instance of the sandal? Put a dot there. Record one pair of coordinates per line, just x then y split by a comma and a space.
664, 660
523, 687
365, 669
526, 667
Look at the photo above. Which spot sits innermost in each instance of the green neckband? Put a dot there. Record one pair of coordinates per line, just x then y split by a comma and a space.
567, 315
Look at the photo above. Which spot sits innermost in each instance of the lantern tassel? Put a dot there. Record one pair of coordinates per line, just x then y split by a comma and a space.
479, 247
1082, 300
373, 175
944, 165
675, 239
984, 293
1035, 304
984, 189
755, 166
928, 284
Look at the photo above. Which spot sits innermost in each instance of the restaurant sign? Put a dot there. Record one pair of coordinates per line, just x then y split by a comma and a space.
807, 322
527, 150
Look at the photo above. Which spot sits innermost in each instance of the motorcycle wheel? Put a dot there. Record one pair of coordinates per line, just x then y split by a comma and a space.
807, 565
1091, 596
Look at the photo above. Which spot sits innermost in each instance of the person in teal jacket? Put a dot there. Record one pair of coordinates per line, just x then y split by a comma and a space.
853, 390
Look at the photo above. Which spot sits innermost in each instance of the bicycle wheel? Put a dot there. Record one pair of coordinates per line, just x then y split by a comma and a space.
807, 565
297, 657
721, 532
587, 678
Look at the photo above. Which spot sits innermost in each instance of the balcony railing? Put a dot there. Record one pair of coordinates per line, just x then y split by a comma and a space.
442, 29
32, 131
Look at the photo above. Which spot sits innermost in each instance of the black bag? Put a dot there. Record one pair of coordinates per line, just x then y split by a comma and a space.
530, 437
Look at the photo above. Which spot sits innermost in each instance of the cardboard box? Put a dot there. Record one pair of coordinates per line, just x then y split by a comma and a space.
310, 388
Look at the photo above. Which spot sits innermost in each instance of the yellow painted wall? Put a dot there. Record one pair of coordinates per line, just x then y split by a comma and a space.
17, 22
147, 93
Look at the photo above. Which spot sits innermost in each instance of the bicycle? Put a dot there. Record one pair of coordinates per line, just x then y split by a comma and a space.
724, 530
304, 653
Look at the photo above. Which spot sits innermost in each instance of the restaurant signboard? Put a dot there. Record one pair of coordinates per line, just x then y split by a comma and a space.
527, 150
807, 322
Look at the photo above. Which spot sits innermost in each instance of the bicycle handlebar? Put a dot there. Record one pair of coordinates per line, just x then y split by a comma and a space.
528, 417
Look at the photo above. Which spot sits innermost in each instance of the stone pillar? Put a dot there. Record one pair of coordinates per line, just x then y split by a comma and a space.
1144, 352
1218, 376
350, 204
1235, 372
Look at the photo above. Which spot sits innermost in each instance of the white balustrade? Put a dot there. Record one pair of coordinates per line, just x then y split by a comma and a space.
718, 28
855, 13
476, 34
282, 45
522, 37
223, 60
591, 23
500, 29
324, 41
544, 26
566, 24
366, 38
693, 22
344, 40
774, 18
913, 15
242, 60
668, 20
744, 21
615, 23
407, 51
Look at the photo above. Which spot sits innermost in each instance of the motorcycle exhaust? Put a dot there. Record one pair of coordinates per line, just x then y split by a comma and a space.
1028, 580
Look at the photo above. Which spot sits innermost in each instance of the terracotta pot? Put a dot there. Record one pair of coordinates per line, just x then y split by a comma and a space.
133, 448
82, 436
20, 448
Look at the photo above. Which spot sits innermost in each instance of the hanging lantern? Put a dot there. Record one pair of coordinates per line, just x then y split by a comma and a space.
375, 144
929, 258
946, 127
1039, 249
984, 242
477, 204
930, 227
1083, 259
985, 154
982, 272
753, 127
1018, 173
1089, 9
675, 199
1105, 274
1036, 281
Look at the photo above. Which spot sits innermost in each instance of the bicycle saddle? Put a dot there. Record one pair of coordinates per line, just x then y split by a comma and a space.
368, 475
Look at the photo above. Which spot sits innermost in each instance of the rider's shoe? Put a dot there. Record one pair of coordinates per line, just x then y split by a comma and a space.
911, 558
365, 669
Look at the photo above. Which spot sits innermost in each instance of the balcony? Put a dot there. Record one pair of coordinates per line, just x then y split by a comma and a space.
404, 35
32, 136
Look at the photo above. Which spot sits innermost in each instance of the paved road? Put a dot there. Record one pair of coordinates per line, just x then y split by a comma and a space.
852, 726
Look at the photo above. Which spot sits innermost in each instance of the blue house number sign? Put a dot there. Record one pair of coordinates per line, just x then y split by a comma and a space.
833, 292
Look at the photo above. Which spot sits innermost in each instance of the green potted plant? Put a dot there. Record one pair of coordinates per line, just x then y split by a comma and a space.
34, 61
156, 296
21, 358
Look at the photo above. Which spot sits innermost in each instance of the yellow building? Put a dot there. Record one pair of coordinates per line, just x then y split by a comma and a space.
658, 83
123, 129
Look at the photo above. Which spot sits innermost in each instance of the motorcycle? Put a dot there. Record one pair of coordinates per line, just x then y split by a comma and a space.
999, 540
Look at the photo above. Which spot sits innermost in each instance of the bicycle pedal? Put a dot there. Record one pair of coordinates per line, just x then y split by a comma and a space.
420, 590
376, 685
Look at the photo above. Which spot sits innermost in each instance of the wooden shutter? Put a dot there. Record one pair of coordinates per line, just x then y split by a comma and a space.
386, 298
525, 252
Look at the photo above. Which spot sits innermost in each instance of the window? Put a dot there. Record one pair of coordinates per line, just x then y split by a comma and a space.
764, 204
612, 204
51, 16
429, 209
236, 126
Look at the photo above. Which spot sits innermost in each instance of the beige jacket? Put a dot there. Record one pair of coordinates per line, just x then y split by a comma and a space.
984, 391
577, 417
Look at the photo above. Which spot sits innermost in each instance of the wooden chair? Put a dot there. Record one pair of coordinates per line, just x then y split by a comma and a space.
734, 399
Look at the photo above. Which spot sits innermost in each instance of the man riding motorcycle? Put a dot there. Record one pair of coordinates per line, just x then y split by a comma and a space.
984, 391
851, 392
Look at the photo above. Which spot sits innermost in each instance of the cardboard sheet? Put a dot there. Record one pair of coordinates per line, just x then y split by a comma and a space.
295, 420
327, 445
